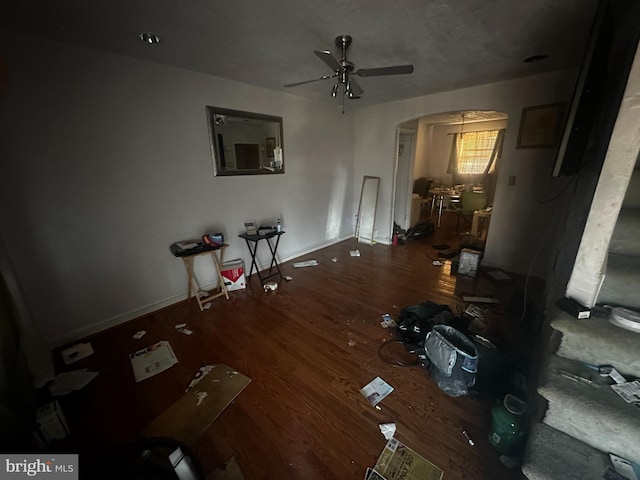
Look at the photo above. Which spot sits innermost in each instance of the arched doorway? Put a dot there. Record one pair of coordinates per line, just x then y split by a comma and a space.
430, 160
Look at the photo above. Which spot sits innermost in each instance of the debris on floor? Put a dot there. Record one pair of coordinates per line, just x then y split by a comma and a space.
306, 263
376, 391
139, 334
354, 253
77, 352
387, 321
334, 259
67, 382
388, 430
187, 419
397, 461
288, 278
152, 360
270, 286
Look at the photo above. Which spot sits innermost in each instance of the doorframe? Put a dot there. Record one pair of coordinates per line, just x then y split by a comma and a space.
412, 161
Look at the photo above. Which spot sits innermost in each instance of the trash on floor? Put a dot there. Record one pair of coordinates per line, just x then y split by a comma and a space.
77, 352
152, 360
469, 441
354, 253
52, 424
182, 327
288, 278
270, 286
397, 461
376, 390
67, 382
139, 334
306, 263
187, 419
629, 392
387, 321
437, 263
388, 430
352, 342
334, 259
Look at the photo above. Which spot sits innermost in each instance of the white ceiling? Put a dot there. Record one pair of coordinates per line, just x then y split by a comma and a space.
451, 43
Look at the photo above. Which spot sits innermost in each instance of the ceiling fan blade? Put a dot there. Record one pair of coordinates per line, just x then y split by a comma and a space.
311, 81
356, 89
377, 72
326, 57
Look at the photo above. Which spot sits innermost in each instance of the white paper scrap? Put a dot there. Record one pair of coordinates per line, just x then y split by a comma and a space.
67, 382
354, 253
180, 325
307, 263
629, 392
186, 331
139, 335
437, 263
152, 360
376, 390
77, 352
388, 430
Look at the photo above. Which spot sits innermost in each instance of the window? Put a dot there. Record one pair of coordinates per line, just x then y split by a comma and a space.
474, 151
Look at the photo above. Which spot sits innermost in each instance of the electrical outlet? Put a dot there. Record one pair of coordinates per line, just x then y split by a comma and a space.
512, 180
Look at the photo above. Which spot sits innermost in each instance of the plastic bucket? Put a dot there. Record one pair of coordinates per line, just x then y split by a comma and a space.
507, 427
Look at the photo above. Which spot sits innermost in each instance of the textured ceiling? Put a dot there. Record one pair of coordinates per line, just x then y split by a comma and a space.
452, 44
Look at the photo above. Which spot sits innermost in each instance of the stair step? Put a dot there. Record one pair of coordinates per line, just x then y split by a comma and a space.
621, 282
598, 342
553, 455
632, 197
624, 240
594, 414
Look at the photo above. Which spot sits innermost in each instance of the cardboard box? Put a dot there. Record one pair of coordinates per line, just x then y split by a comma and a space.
233, 274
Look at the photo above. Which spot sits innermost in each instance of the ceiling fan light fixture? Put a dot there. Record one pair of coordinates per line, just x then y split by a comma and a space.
334, 91
150, 38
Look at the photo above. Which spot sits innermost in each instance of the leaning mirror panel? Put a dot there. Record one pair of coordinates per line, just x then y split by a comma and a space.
245, 143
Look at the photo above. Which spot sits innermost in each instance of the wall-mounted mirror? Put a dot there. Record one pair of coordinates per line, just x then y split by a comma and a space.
245, 143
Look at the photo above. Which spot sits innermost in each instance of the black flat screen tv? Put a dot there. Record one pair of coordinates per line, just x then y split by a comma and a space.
600, 86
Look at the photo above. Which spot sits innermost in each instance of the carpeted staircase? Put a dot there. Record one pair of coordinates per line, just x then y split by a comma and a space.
585, 422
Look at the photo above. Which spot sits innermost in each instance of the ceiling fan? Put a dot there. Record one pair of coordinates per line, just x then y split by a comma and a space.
343, 70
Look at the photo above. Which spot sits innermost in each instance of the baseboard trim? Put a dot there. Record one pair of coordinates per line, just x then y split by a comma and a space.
85, 332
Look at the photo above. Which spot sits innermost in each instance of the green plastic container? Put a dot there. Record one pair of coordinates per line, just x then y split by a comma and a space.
508, 424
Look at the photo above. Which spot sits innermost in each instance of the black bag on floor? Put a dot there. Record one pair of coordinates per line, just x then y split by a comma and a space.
416, 321
453, 360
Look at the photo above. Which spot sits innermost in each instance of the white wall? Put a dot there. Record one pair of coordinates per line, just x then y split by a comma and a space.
520, 220
106, 162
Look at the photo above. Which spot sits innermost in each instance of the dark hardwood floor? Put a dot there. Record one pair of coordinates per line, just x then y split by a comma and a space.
308, 347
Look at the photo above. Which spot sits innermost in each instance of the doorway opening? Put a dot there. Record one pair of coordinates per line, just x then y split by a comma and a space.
437, 182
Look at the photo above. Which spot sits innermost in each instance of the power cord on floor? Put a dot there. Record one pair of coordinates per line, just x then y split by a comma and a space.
390, 359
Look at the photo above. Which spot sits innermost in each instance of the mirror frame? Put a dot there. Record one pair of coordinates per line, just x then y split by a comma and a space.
213, 141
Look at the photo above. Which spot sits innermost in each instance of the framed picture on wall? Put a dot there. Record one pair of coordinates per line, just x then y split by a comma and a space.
540, 126
270, 146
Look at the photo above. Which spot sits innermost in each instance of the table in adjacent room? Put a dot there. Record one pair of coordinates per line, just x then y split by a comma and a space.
252, 244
